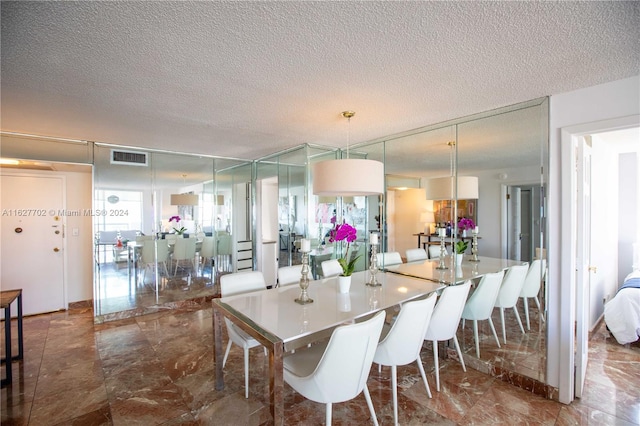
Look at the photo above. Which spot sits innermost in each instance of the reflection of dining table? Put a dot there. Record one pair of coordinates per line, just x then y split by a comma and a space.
454, 274
280, 324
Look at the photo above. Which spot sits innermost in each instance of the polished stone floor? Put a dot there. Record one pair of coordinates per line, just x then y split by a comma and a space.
158, 370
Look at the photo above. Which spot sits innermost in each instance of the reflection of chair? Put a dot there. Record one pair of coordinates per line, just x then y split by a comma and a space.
416, 254
316, 262
531, 288
241, 282
445, 320
434, 252
207, 251
289, 275
184, 249
224, 250
171, 238
479, 306
509, 294
336, 371
389, 258
331, 268
148, 255
400, 344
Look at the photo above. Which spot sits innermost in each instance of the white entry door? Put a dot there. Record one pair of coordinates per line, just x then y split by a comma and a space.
32, 248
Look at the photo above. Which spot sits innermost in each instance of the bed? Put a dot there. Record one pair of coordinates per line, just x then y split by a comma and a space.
622, 313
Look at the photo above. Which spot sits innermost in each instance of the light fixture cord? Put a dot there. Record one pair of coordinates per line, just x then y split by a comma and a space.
348, 135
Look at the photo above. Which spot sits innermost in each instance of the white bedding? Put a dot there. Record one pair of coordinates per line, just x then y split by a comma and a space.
622, 313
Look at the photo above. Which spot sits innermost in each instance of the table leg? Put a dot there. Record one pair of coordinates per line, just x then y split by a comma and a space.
20, 338
276, 383
217, 349
7, 346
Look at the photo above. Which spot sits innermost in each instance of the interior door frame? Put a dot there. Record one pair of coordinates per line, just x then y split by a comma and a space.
568, 236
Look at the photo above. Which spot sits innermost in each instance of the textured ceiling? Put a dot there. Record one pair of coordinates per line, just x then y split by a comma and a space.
246, 79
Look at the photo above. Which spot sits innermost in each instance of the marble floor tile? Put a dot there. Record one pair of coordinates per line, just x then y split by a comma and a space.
158, 369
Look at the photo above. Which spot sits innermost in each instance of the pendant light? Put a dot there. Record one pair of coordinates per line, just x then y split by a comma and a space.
184, 199
443, 188
347, 176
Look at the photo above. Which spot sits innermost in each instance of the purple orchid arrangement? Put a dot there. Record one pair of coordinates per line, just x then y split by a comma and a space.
348, 233
177, 220
466, 224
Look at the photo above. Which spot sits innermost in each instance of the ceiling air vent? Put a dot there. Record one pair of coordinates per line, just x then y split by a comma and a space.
130, 158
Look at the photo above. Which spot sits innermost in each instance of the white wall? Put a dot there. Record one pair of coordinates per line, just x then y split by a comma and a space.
404, 219
607, 101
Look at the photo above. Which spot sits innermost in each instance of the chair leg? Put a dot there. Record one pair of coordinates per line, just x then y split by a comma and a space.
526, 312
493, 330
394, 392
476, 338
246, 372
327, 414
515, 309
457, 345
504, 330
436, 364
226, 354
424, 376
367, 396
539, 308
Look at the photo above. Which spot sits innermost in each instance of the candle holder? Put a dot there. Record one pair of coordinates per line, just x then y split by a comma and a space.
304, 298
474, 247
373, 267
443, 250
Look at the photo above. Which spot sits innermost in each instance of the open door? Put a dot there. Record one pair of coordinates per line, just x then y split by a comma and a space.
583, 261
514, 222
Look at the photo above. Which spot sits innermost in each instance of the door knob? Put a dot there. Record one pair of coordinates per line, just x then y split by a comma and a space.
56, 249
593, 269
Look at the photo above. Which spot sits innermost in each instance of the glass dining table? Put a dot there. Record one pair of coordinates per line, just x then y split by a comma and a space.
454, 273
280, 324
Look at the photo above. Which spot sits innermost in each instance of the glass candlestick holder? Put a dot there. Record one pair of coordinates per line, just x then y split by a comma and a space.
474, 247
373, 267
443, 251
304, 298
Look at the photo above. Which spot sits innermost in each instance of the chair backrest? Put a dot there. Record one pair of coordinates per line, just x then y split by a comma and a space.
129, 234
148, 253
511, 286
162, 250
533, 279
434, 252
331, 268
403, 342
108, 236
446, 315
389, 258
207, 247
171, 238
241, 282
344, 368
141, 238
184, 248
224, 243
480, 304
416, 254
289, 275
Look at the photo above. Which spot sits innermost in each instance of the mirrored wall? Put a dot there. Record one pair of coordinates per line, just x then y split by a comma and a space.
507, 151
165, 227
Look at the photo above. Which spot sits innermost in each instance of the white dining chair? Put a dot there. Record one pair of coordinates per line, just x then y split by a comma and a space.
434, 252
531, 288
331, 268
230, 284
480, 305
444, 322
288, 275
509, 294
336, 371
207, 252
152, 253
389, 258
401, 342
224, 251
184, 250
416, 254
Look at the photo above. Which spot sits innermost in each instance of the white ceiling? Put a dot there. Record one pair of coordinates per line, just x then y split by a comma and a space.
246, 79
